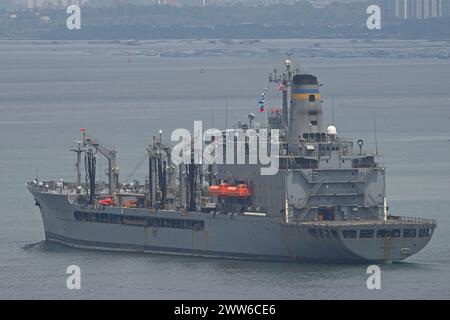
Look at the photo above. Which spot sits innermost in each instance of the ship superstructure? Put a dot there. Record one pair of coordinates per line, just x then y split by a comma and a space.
326, 201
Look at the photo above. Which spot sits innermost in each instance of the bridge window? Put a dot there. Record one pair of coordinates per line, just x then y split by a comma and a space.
349, 234
366, 233
312, 97
409, 233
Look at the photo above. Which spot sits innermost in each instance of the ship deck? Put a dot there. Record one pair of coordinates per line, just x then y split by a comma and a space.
71, 192
392, 220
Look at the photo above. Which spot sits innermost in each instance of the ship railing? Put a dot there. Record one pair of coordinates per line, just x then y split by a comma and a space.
65, 192
55, 187
412, 219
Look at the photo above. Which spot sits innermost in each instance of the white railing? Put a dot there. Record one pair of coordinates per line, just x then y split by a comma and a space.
412, 219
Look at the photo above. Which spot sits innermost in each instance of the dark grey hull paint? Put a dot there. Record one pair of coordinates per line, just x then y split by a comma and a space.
223, 236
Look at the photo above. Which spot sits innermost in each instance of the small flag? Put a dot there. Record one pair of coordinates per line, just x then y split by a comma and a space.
262, 100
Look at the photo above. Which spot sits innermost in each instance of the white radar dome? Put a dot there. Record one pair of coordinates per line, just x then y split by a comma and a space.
331, 131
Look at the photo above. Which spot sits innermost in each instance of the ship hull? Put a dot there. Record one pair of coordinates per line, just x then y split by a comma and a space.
217, 236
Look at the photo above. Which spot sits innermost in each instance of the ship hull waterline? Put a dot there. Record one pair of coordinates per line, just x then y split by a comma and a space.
220, 236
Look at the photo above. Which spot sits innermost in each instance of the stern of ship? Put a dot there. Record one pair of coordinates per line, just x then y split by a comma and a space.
387, 241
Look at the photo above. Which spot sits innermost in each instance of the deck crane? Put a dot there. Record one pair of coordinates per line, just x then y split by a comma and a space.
110, 155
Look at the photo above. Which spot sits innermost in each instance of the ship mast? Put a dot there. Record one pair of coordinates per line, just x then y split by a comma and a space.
78, 149
161, 184
283, 81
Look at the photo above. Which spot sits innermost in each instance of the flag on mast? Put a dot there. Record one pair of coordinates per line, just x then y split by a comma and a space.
262, 100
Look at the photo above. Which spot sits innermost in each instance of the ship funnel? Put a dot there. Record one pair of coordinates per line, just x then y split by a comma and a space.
306, 114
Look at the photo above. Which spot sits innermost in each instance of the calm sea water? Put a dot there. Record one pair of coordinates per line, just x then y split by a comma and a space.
123, 96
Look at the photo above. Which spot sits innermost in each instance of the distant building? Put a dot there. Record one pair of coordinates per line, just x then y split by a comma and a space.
415, 9
446, 8
32, 4
226, 2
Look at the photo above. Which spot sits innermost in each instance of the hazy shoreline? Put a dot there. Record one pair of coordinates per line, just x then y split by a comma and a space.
248, 48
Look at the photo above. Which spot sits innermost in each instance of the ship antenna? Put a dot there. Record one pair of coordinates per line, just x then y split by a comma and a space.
332, 111
375, 131
226, 113
284, 81
212, 114
290, 54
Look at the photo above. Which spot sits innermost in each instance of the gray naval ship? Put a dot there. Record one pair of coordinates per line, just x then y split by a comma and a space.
326, 203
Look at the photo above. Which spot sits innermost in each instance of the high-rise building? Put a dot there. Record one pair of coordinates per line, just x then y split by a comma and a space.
31, 4
415, 9
446, 8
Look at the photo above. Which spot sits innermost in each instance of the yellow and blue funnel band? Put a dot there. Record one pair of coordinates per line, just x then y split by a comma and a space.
304, 94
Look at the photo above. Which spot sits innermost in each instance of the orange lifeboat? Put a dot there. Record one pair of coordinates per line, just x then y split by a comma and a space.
107, 202
218, 190
130, 204
241, 191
